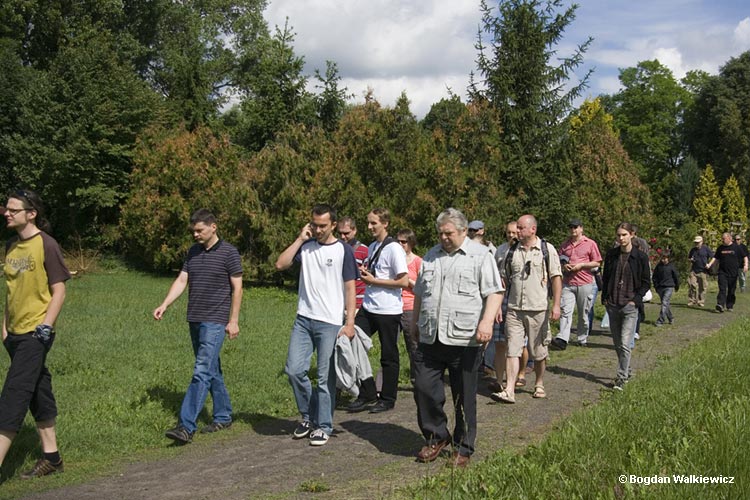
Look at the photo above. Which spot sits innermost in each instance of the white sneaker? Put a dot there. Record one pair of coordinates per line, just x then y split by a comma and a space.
318, 437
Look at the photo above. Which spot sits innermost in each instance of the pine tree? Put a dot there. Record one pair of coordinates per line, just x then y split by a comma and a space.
528, 82
734, 204
707, 205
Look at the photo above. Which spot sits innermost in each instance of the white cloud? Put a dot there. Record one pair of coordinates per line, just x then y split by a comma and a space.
422, 46
742, 34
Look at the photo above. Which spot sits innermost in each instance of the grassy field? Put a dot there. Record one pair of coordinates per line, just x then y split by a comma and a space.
687, 417
119, 376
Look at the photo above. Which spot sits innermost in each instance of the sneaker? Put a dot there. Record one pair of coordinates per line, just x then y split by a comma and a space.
618, 385
43, 467
302, 430
637, 336
558, 344
318, 437
729, 309
720, 308
585, 343
179, 434
216, 426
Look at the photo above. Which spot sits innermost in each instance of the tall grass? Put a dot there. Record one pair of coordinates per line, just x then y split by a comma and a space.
689, 416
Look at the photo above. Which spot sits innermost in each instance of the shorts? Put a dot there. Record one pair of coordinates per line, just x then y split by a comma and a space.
532, 326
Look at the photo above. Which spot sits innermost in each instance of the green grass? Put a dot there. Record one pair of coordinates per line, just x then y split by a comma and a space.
688, 416
119, 376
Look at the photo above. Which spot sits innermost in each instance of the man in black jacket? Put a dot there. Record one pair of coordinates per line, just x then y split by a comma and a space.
626, 279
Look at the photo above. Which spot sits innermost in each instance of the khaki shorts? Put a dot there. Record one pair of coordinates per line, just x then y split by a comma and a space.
531, 324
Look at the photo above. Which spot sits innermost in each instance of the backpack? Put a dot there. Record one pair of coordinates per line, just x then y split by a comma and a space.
545, 256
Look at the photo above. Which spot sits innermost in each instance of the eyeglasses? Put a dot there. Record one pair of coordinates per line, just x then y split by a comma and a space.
527, 268
15, 211
403, 242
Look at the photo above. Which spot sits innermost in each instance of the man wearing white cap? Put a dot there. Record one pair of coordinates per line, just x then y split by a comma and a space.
698, 256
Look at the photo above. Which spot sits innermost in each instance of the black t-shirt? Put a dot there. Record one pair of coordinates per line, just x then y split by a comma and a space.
730, 257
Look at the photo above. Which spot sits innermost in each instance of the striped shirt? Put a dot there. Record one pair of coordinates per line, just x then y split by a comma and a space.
209, 285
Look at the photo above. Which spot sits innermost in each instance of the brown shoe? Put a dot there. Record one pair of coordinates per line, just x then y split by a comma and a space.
42, 467
459, 460
430, 452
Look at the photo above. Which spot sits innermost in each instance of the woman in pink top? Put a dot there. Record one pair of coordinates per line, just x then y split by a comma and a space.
408, 240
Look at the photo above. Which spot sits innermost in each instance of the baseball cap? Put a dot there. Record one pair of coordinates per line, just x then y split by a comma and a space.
476, 225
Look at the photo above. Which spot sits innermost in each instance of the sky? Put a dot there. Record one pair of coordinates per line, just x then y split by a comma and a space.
426, 47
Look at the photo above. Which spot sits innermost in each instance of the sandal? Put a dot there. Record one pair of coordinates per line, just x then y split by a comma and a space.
503, 397
521, 382
539, 392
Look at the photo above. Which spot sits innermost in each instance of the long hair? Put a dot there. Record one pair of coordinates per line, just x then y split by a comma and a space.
32, 201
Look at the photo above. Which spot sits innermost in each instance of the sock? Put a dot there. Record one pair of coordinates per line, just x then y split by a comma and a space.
53, 457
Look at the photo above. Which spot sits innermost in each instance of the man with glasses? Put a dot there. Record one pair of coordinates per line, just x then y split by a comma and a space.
582, 255
347, 229
35, 275
458, 295
528, 273
212, 272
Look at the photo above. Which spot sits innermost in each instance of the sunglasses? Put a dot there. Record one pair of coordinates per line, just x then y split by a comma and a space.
403, 242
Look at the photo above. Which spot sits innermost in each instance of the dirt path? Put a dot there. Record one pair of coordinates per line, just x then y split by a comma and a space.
370, 456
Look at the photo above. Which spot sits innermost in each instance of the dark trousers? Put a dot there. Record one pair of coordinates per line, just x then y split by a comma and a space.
727, 287
387, 327
28, 385
462, 363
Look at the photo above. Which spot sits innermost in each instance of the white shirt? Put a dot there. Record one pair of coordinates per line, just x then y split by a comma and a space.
325, 268
390, 263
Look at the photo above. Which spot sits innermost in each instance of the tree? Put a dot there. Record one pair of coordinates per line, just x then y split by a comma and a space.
73, 132
708, 205
532, 96
687, 179
734, 203
720, 120
331, 102
273, 92
648, 113
608, 190
177, 172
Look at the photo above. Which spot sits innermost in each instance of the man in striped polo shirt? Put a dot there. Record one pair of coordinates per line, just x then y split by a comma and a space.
212, 272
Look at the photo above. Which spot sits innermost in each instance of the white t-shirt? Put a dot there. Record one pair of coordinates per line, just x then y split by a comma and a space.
325, 268
390, 263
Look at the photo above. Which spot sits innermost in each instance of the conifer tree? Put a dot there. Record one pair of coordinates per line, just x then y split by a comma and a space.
707, 205
734, 203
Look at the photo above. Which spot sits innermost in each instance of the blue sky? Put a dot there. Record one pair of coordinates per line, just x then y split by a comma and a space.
425, 46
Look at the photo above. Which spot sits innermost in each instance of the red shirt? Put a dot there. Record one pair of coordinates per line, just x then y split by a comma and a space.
360, 255
582, 251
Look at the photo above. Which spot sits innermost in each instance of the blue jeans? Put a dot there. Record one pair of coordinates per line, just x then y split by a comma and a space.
622, 321
666, 298
207, 339
307, 335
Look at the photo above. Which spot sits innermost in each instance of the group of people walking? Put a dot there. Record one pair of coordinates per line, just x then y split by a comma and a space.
462, 301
